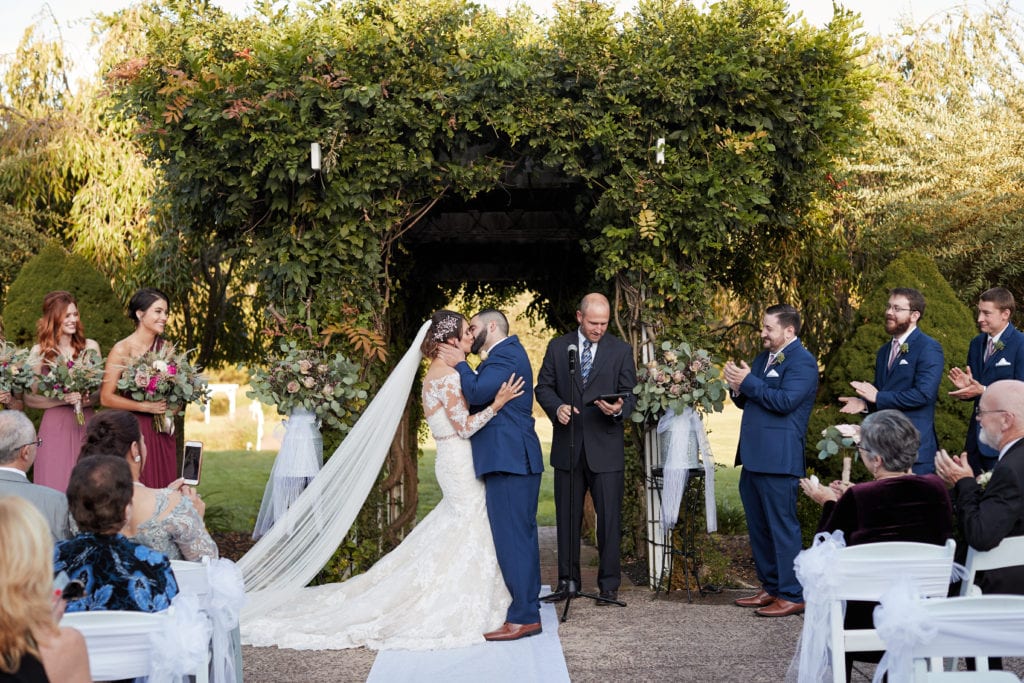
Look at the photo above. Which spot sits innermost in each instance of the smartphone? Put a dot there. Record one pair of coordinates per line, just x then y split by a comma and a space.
192, 463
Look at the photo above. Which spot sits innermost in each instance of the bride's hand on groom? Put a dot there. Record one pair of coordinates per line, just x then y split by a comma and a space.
510, 389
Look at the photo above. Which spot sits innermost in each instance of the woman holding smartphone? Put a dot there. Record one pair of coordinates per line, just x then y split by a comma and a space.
59, 334
148, 309
166, 519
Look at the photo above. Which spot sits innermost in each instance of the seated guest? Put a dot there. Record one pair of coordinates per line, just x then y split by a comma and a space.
118, 574
34, 648
167, 520
896, 506
18, 445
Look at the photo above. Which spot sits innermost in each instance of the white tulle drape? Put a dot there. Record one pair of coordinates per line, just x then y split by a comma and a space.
297, 463
684, 444
303, 540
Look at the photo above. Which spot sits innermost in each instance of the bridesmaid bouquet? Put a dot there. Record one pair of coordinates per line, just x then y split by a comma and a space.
309, 379
164, 375
67, 376
16, 374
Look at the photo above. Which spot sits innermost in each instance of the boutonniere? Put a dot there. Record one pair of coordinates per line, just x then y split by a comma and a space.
998, 346
904, 348
779, 358
983, 478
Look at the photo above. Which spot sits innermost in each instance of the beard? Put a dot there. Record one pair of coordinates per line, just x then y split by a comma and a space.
985, 438
896, 329
478, 342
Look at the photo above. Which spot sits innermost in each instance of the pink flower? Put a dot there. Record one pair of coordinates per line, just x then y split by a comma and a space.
305, 366
141, 379
678, 376
292, 387
309, 382
151, 387
172, 369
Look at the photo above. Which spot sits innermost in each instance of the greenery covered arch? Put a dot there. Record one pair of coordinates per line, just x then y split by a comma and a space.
685, 153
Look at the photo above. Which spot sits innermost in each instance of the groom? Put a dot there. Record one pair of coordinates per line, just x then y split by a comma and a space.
506, 455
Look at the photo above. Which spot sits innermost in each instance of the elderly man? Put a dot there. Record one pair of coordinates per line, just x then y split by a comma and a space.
996, 353
908, 370
991, 513
18, 445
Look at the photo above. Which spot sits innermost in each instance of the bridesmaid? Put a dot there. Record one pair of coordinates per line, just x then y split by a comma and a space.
148, 309
59, 332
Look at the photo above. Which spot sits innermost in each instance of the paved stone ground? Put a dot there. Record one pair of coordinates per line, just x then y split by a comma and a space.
654, 638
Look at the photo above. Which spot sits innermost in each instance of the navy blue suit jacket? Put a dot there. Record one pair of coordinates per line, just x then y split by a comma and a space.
776, 406
912, 387
508, 443
1006, 363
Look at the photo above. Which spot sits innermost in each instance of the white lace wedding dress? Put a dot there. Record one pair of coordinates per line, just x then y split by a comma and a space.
440, 588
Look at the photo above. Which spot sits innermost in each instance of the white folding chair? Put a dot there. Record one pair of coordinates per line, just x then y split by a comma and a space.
119, 642
979, 626
1009, 553
864, 572
192, 577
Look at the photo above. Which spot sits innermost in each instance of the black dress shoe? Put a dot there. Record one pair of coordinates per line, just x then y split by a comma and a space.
560, 593
608, 595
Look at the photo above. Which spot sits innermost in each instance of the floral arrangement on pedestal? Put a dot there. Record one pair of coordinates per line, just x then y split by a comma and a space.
310, 379
164, 375
681, 377
15, 369
66, 376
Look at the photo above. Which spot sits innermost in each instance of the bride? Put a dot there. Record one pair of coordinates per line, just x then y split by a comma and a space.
441, 588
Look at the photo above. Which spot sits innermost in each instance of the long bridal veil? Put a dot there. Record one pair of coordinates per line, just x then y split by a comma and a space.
302, 541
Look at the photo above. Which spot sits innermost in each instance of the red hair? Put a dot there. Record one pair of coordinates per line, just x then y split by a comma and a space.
55, 306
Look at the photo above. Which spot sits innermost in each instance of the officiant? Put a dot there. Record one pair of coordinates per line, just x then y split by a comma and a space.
604, 367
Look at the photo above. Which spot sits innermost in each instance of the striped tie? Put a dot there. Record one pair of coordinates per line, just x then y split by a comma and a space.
586, 360
989, 350
894, 353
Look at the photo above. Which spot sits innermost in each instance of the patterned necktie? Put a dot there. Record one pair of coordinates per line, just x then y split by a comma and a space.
771, 360
586, 360
989, 350
894, 353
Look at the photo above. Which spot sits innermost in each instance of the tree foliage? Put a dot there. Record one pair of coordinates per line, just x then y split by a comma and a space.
941, 171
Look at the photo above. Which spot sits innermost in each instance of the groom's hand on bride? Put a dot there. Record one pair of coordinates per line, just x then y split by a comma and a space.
450, 355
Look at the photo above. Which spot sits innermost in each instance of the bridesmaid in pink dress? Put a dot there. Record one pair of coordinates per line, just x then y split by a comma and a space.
59, 332
148, 309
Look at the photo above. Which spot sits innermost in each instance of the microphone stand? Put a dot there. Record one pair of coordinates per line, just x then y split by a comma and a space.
574, 529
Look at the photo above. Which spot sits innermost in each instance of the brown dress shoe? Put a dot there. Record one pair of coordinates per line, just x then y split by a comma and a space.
780, 608
513, 632
761, 599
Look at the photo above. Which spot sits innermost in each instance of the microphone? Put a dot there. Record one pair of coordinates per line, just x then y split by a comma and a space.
573, 351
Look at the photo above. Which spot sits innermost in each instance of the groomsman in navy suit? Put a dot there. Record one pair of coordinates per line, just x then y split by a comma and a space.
908, 370
507, 457
997, 353
776, 392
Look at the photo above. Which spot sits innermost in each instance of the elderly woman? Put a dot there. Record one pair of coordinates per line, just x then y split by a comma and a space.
168, 520
118, 574
896, 506
34, 648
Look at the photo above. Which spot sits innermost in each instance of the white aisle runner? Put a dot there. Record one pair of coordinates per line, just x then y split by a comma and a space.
537, 658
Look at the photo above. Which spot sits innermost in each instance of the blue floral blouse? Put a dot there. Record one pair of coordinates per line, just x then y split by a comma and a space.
118, 574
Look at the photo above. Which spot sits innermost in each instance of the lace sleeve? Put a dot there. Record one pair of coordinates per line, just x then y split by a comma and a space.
186, 529
455, 407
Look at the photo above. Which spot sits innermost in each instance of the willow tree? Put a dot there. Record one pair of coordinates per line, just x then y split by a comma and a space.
422, 101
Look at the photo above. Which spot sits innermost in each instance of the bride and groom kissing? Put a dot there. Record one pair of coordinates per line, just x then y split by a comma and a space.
470, 569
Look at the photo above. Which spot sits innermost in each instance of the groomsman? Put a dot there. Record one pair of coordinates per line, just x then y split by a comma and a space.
776, 392
597, 456
996, 353
908, 370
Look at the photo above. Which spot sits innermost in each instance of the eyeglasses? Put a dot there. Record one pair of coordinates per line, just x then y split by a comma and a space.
984, 412
37, 442
898, 309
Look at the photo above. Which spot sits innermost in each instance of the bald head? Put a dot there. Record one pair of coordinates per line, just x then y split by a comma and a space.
592, 315
1001, 412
